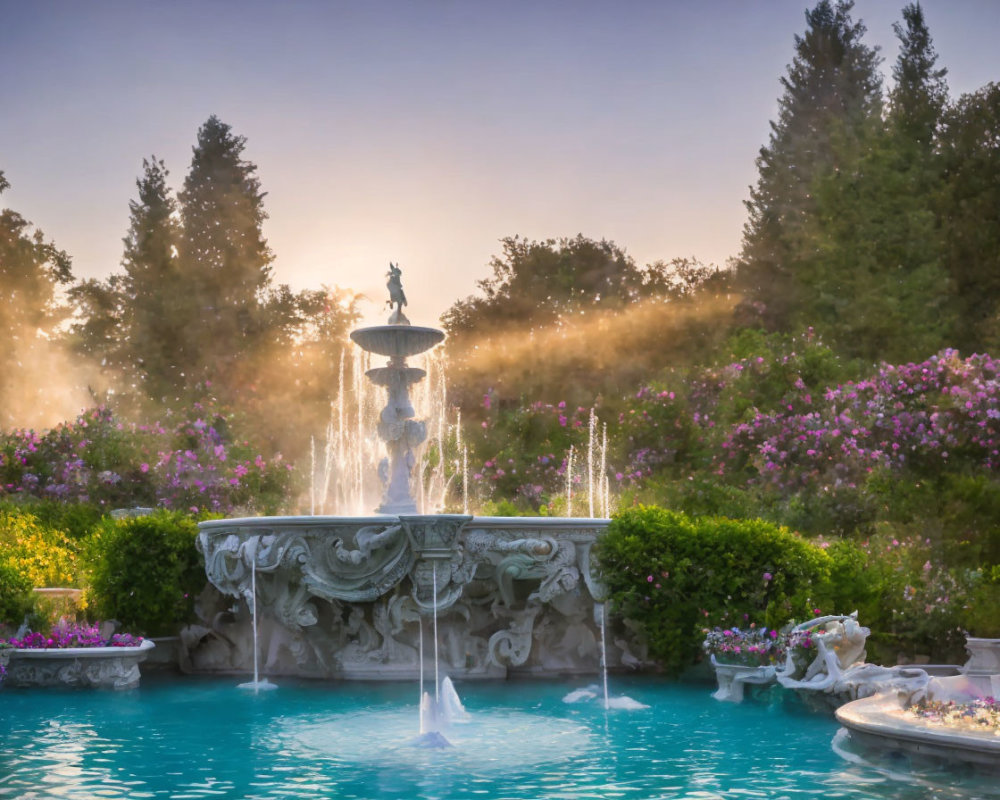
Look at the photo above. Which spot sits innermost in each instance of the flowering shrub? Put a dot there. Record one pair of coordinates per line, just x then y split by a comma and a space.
922, 417
750, 646
912, 601
72, 634
194, 463
526, 452
654, 431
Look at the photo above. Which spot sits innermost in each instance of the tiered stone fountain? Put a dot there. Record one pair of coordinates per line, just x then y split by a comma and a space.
347, 597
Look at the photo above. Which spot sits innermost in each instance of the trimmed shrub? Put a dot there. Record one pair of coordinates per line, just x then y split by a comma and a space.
15, 597
146, 572
675, 575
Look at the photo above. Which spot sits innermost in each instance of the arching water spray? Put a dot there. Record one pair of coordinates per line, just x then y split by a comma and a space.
420, 656
605, 481
437, 713
465, 480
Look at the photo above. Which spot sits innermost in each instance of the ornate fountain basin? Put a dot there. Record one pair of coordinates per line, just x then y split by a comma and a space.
397, 341
352, 597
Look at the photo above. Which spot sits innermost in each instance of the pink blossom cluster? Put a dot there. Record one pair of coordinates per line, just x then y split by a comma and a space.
102, 460
529, 449
750, 646
71, 635
939, 411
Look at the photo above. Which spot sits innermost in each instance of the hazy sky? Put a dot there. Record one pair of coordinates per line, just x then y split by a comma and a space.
421, 131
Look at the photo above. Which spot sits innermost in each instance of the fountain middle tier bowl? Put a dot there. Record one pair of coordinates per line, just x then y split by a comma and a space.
389, 376
397, 341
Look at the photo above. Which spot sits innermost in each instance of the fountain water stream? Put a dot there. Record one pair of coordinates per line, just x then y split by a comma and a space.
601, 611
257, 684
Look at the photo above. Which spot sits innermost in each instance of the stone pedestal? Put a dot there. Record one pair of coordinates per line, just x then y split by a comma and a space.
732, 679
984, 656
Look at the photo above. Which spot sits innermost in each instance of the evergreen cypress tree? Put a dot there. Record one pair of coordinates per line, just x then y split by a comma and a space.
832, 89
153, 294
224, 260
970, 151
920, 91
873, 276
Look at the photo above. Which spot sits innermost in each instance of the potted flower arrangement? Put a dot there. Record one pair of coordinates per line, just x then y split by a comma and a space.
75, 654
752, 646
800, 652
743, 655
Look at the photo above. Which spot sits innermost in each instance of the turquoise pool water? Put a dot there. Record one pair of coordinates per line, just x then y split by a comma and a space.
202, 738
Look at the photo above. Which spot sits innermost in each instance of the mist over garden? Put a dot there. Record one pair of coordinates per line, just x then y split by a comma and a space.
823, 410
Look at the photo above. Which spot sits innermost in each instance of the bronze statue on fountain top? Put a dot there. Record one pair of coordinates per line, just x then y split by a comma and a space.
397, 297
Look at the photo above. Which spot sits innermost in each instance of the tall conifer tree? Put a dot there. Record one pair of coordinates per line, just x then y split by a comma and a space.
872, 274
154, 295
832, 89
920, 91
970, 214
224, 258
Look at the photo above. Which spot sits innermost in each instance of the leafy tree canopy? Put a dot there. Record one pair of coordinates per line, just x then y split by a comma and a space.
31, 272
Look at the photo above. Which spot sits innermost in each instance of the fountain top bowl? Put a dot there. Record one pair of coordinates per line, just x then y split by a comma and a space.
397, 341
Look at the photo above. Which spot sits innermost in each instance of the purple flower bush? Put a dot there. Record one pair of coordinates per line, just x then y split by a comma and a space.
194, 463
656, 431
527, 452
939, 413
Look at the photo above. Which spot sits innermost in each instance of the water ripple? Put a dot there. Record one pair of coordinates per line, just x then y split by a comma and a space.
201, 739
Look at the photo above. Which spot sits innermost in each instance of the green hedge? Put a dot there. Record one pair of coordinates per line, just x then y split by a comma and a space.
675, 575
15, 597
145, 572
